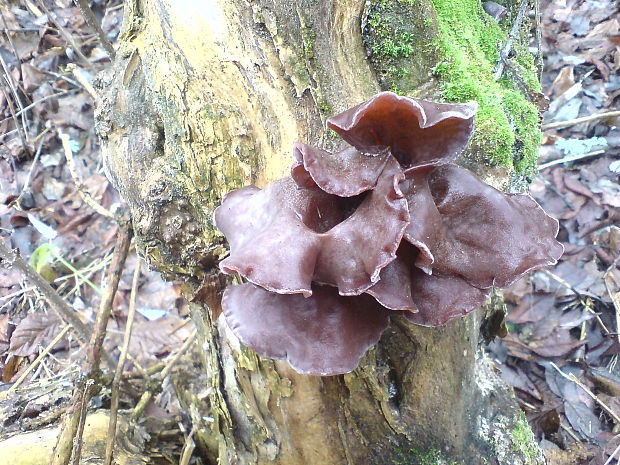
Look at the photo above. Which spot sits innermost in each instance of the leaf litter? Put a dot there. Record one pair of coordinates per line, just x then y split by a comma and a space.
561, 355
44, 216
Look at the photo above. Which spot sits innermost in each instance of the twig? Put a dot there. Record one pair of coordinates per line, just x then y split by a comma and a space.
19, 63
613, 455
574, 379
31, 170
83, 81
38, 360
146, 397
514, 31
567, 285
116, 382
65, 34
41, 100
20, 130
105, 307
9, 80
90, 19
570, 432
66, 145
63, 452
64, 311
77, 273
615, 296
76, 450
583, 119
568, 159
540, 62
188, 447
9, 38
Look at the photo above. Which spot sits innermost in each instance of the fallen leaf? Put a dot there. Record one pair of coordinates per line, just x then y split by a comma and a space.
35, 331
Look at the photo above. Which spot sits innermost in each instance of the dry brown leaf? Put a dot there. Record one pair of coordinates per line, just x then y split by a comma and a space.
35, 331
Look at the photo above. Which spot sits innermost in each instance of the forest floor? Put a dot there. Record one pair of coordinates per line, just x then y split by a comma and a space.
561, 353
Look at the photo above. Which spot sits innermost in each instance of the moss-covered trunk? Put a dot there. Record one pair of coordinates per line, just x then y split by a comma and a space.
209, 96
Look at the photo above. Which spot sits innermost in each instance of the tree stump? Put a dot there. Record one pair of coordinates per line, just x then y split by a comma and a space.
206, 97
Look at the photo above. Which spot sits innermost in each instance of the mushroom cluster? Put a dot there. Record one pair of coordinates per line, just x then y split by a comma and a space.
386, 226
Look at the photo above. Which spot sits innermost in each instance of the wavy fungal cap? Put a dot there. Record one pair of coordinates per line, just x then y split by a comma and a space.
386, 226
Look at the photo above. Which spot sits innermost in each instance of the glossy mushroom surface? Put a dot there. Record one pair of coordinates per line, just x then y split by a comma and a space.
386, 226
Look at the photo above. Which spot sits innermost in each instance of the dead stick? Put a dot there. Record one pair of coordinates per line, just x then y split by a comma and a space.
79, 185
514, 31
62, 309
20, 130
109, 447
105, 308
583, 119
90, 19
69, 435
172, 360
76, 450
65, 34
614, 296
12, 86
574, 379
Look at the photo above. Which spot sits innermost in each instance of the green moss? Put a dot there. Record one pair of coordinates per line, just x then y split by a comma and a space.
308, 37
325, 107
524, 441
300, 71
525, 121
526, 65
394, 39
418, 457
469, 41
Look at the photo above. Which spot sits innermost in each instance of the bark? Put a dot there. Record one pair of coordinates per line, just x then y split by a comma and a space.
206, 97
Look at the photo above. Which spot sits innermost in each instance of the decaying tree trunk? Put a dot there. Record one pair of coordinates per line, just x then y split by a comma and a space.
209, 96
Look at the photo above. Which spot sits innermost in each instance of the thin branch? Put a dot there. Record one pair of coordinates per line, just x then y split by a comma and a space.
65, 34
569, 159
615, 296
105, 307
578, 294
26, 186
574, 379
90, 19
583, 119
20, 130
172, 360
613, 455
514, 31
68, 446
84, 82
82, 409
570, 432
66, 145
19, 63
9, 80
43, 99
188, 447
109, 447
8, 36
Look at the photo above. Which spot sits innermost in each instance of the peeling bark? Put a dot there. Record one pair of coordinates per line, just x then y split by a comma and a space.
209, 96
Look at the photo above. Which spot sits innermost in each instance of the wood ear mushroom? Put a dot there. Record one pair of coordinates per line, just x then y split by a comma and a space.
387, 225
